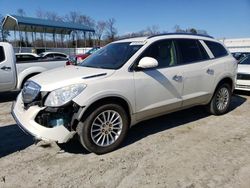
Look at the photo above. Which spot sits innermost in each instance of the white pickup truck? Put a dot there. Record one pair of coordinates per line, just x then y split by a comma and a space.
13, 74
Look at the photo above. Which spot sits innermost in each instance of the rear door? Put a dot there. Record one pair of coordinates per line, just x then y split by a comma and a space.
7, 68
198, 76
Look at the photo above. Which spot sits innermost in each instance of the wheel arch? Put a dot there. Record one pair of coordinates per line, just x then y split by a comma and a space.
227, 80
27, 77
107, 100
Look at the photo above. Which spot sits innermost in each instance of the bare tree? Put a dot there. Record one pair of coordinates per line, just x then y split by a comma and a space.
42, 15
73, 17
21, 12
91, 24
54, 17
3, 33
111, 31
178, 29
192, 30
152, 30
99, 30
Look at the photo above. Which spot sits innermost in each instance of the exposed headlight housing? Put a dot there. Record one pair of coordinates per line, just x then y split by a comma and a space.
64, 95
30, 91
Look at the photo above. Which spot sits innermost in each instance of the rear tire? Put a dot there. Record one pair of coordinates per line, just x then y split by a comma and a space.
220, 103
104, 129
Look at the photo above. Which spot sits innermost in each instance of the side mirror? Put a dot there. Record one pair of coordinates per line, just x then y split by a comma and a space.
147, 63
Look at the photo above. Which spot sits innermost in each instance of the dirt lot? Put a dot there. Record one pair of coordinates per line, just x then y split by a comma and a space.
185, 149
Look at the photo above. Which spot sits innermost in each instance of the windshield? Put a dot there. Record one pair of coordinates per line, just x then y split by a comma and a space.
112, 56
91, 51
245, 61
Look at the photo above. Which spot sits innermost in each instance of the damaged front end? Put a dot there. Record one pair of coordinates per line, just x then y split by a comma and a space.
45, 122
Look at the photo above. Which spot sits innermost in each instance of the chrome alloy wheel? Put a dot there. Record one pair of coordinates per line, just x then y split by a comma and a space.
222, 98
106, 128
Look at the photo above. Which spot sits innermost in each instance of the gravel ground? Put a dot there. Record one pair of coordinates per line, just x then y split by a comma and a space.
185, 149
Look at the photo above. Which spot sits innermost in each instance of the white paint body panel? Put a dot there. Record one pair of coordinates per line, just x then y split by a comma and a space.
148, 93
243, 84
59, 133
13, 78
8, 78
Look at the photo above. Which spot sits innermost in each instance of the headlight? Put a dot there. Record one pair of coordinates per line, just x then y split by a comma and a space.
63, 95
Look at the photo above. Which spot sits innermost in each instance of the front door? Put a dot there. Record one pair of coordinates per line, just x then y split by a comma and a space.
158, 90
7, 68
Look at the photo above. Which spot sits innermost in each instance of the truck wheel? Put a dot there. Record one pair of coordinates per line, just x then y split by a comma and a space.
220, 102
104, 129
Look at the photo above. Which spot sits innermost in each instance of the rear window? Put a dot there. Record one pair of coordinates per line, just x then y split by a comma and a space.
216, 48
190, 50
2, 55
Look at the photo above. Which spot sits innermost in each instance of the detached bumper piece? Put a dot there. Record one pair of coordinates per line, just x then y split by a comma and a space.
42, 123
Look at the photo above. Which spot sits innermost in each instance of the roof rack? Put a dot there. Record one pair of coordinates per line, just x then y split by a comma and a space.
201, 35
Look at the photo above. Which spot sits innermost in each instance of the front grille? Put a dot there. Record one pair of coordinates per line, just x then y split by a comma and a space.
241, 76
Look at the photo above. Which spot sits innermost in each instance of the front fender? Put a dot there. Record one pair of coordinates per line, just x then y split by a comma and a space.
27, 72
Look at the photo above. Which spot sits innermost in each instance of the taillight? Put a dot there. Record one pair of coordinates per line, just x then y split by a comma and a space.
69, 63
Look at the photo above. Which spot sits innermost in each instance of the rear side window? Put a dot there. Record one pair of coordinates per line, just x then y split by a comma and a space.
2, 55
216, 48
190, 50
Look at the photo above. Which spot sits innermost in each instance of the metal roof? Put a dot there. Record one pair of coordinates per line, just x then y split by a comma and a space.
28, 24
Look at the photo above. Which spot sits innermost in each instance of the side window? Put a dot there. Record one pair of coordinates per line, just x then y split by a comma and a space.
2, 55
59, 56
50, 56
190, 50
216, 48
163, 51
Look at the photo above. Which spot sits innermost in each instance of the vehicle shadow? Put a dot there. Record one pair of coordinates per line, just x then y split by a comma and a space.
12, 139
159, 124
8, 96
73, 146
241, 92
172, 120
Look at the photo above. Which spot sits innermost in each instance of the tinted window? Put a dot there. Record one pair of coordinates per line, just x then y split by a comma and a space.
245, 61
60, 55
2, 55
163, 51
112, 56
25, 58
50, 56
190, 50
216, 48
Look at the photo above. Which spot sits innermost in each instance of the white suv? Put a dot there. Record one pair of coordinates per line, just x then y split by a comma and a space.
124, 83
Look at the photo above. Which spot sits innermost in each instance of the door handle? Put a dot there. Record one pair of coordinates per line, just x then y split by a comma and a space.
210, 71
177, 78
6, 68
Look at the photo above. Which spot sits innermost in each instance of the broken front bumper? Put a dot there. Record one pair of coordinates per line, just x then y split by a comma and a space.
26, 121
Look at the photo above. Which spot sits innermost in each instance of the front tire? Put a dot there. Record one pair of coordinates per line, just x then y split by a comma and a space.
220, 102
104, 129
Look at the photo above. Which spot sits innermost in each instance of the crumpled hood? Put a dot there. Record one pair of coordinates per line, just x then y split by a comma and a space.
244, 68
64, 76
